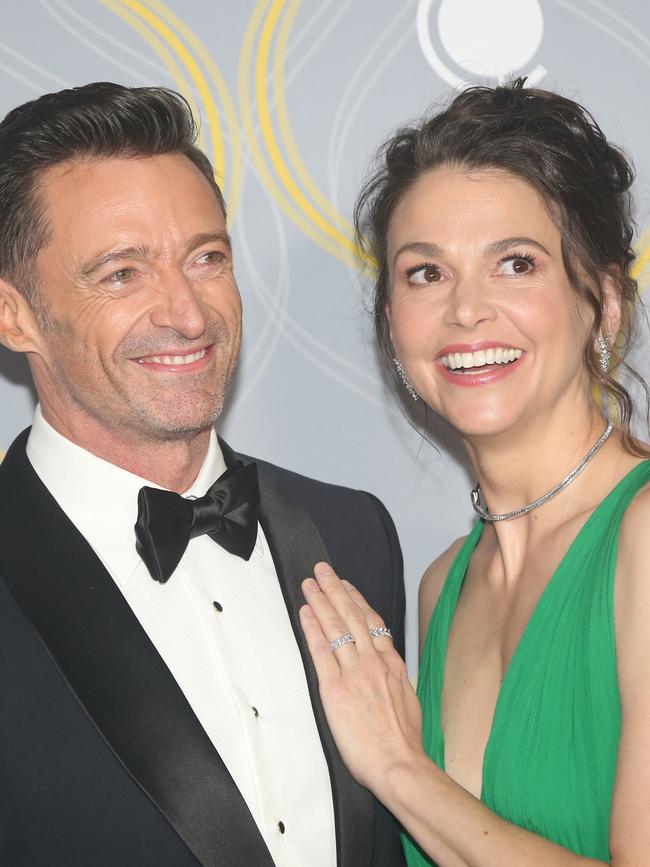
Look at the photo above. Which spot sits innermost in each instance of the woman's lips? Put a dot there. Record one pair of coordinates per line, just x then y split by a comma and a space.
478, 366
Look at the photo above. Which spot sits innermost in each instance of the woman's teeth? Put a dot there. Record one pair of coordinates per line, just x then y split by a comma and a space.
480, 358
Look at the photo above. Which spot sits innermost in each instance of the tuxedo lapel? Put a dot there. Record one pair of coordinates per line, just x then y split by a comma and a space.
296, 546
116, 673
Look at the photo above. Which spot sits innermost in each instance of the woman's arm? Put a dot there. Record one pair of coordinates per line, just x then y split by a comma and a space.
375, 718
630, 826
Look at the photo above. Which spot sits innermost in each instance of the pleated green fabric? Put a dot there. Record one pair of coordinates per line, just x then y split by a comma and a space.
550, 759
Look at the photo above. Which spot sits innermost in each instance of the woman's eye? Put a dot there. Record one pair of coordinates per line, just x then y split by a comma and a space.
424, 274
516, 265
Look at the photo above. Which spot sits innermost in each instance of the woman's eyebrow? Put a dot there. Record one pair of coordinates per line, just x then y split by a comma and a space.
423, 247
504, 244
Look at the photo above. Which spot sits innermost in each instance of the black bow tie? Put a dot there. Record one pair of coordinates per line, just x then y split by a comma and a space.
227, 513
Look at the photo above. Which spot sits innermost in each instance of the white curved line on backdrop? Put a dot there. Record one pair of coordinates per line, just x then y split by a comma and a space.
111, 40
325, 32
117, 43
284, 324
346, 114
534, 77
580, 13
620, 20
17, 76
259, 358
284, 320
7, 49
298, 37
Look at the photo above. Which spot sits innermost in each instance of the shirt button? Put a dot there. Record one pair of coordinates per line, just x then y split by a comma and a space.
218, 606
281, 827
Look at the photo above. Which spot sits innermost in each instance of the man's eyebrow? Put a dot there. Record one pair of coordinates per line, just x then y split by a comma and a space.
139, 251
202, 238
135, 252
504, 244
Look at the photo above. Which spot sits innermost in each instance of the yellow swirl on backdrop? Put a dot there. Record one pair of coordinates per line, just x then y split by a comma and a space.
169, 46
266, 126
291, 200
175, 71
234, 180
640, 264
279, 94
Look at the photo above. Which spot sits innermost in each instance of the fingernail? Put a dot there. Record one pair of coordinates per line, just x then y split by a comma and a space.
323, 570
310, 584
305, 611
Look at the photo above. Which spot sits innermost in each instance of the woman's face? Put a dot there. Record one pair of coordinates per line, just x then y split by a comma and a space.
482, 314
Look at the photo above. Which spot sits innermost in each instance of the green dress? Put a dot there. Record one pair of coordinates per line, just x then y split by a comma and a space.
550, 760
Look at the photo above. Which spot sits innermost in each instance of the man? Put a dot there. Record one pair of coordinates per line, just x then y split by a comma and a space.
158, 704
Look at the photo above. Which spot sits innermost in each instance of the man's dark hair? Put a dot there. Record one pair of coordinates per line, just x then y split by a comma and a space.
556, 146
96, 121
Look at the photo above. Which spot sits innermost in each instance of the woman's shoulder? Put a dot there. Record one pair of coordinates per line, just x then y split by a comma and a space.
432, 583
634, 535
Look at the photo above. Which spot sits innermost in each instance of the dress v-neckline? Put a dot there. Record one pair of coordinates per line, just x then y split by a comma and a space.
466, 552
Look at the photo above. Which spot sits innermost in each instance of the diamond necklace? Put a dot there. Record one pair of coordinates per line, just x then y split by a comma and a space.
523, 510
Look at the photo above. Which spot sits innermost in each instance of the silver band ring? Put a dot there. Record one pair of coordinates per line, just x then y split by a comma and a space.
340, 641
380, 631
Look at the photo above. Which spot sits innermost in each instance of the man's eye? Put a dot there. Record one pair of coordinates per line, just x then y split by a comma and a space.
121, 276
212, 257
424, 274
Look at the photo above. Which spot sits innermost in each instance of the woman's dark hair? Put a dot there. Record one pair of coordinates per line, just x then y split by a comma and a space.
97, 121
557, 147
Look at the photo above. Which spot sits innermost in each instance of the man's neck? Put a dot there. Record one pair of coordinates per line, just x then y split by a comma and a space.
171, 463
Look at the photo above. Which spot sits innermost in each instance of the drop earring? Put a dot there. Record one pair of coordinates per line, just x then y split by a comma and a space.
605, 354
402, 376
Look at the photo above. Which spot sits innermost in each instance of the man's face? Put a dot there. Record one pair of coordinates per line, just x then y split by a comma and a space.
137, 284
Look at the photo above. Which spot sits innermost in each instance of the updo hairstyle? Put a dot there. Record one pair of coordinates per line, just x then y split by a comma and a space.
556, 146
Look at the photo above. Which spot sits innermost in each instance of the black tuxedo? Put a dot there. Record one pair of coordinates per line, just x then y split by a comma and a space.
102, 761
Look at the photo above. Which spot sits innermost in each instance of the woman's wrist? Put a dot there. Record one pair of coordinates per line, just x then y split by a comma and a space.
397, 778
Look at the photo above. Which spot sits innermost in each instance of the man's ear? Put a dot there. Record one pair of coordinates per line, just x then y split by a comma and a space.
19, 329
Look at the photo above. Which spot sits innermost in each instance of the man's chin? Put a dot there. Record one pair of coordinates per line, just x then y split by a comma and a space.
181, 428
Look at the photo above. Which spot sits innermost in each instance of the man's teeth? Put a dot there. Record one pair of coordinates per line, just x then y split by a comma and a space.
480, 358
173, 359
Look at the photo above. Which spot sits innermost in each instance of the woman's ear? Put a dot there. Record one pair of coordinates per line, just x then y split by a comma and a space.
19, 330
611, 322
390, 328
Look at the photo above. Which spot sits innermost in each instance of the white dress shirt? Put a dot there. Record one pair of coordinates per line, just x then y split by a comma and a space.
221, 626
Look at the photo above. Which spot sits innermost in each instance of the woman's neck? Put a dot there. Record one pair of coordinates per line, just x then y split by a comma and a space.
517, 467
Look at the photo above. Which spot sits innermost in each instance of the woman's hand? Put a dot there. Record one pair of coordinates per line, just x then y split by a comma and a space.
370, 705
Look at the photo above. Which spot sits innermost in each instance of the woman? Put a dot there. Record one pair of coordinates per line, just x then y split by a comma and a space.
502, 233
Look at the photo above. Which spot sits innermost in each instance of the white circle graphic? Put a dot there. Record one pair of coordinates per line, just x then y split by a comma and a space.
492, 40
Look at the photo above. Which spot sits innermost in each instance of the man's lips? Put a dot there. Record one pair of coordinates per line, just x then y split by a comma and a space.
174, 360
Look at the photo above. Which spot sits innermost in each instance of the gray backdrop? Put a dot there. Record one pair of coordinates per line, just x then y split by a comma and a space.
294, 97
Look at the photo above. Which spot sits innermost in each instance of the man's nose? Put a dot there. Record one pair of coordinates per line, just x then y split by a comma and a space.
179, 306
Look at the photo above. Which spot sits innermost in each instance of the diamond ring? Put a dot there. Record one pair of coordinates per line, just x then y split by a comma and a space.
340, 641
379, 631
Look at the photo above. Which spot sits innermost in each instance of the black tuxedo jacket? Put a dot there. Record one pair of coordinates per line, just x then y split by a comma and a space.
102, 761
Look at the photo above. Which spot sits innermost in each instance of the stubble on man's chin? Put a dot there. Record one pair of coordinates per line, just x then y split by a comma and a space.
148, 414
